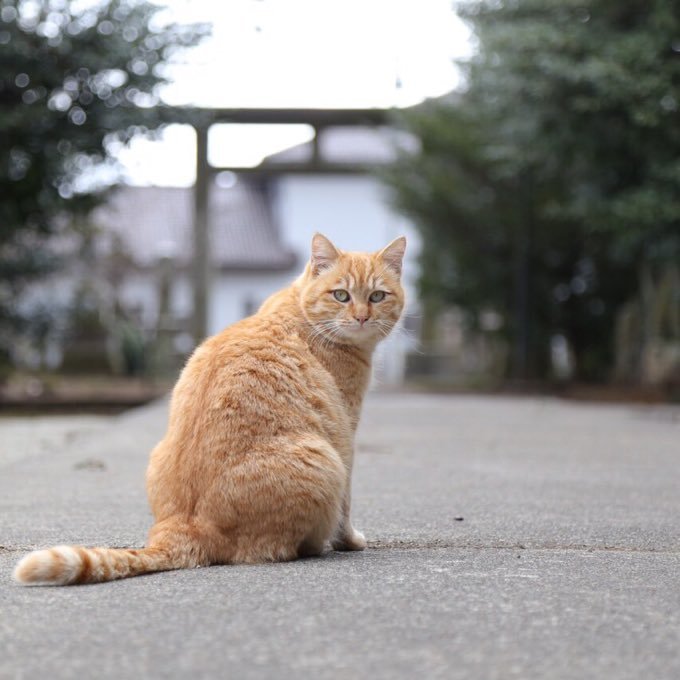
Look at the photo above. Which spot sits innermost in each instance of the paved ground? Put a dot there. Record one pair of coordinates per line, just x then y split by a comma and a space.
566, 563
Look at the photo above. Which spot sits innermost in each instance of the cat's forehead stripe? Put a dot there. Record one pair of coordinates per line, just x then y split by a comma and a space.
362, 270
363, 273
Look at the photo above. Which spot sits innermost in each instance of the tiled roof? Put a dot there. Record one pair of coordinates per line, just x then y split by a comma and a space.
351, 145
152, 222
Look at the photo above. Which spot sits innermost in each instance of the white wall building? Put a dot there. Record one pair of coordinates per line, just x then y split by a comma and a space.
260, 230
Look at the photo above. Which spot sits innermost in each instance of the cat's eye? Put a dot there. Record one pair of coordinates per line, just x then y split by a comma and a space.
377, 296
341, 295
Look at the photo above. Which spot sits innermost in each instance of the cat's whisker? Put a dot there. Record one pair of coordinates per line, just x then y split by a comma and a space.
325, 332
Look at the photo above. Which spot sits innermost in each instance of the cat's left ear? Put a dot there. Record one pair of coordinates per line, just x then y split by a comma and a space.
393, 254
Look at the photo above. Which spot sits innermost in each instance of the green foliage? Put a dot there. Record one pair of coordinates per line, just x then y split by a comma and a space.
544, 185
73, 83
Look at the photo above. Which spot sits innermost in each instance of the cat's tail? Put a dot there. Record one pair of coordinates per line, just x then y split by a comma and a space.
68, 565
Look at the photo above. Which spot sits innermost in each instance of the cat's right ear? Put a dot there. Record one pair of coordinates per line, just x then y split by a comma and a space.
324, 253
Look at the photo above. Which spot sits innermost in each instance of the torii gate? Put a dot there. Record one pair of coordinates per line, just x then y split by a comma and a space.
202, 119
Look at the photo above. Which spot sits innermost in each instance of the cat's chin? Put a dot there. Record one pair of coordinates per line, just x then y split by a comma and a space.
361, 337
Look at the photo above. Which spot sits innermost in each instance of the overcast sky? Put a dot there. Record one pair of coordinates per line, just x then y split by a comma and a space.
298, 53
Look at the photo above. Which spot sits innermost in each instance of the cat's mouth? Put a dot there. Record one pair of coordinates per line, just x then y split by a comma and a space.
353, 332
361, 331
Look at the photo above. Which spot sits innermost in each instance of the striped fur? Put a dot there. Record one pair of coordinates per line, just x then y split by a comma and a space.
66, 565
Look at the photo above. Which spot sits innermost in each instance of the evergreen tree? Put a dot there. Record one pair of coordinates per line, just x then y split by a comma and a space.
72, 82
546, 185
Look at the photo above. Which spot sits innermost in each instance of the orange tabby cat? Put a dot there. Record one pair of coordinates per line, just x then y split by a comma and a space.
257, 460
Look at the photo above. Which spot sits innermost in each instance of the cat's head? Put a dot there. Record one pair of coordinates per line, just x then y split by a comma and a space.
353, 298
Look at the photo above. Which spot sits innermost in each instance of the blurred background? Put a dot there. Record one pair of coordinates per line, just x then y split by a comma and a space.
163, 167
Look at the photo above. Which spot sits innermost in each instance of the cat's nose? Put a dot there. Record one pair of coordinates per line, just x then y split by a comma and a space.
362, 319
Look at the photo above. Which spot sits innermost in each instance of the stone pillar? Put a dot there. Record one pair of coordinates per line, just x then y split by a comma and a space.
200, 268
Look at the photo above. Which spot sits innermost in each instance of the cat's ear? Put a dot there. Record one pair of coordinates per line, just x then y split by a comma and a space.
324, 253
393, 254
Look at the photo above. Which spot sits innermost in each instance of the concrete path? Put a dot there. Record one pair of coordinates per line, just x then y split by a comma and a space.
565, 564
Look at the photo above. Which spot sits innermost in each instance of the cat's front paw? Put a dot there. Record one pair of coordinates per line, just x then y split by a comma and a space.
353, 541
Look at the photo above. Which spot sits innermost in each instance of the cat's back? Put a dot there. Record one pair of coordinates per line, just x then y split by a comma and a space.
258, 373
269, 339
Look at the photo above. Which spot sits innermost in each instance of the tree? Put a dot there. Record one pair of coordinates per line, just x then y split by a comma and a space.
74, 82
547, 184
